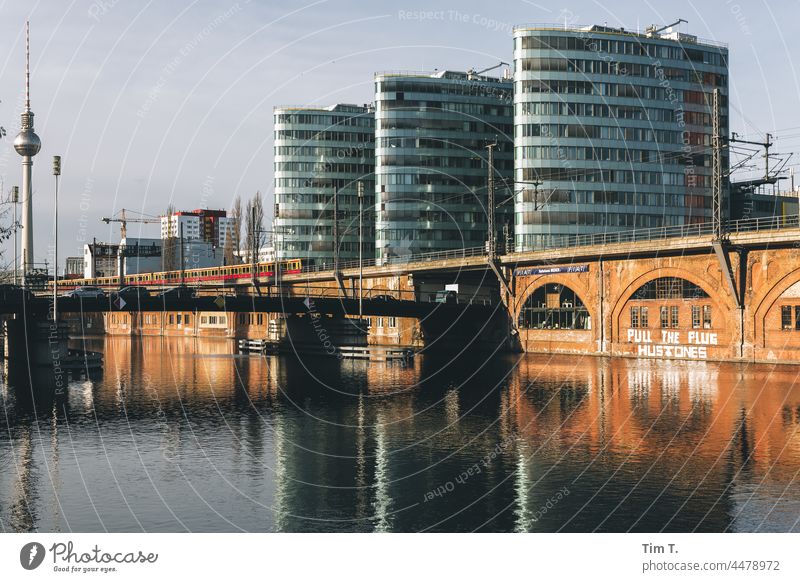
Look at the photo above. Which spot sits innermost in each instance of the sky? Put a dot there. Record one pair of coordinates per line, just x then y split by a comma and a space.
152, 103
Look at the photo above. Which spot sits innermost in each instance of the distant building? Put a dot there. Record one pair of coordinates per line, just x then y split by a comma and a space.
100, 260
431, 170
198, 254
319, 152
266, 254
752, 204
211, 226
612, 130
73, 268
143, 262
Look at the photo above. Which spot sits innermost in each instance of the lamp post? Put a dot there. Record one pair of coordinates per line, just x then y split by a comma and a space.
490, 240
336, 232
15, 200
180, 227
56, 173
360, 251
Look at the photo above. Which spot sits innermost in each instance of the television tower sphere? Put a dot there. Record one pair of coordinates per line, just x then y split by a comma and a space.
27, 143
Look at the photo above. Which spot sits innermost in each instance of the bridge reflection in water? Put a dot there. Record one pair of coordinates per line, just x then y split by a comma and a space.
168, 440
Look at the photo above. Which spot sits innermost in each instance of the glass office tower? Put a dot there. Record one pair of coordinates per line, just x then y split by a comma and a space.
431, 173
320, 152
612, 130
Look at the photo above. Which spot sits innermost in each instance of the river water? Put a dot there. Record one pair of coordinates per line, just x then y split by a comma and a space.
184, 435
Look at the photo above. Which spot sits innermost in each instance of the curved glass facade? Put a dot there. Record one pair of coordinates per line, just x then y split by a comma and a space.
431, 160
612, 131
319, 152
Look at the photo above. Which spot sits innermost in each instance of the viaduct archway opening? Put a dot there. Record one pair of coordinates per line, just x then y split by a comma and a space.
554, 306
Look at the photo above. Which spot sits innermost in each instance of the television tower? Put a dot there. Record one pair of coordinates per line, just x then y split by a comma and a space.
27, 145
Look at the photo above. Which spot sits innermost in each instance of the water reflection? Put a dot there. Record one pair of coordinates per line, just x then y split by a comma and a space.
182, 434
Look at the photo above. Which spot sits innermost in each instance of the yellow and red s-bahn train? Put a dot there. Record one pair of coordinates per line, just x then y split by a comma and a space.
227, 275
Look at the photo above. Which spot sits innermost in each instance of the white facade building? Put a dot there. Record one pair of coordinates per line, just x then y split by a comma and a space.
212, 226
171, 226
225, 229
100, 260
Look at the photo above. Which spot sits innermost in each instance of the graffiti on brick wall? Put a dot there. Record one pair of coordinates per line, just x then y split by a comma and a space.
666, 343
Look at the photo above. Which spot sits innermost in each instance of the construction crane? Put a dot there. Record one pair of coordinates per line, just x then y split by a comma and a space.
653, 30
123, 219
472, 73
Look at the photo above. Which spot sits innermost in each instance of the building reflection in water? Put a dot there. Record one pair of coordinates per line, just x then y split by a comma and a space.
184, 434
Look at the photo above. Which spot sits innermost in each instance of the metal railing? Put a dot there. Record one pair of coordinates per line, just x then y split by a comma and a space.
766, 223
401, 260
581, 240
586, 28
668, 232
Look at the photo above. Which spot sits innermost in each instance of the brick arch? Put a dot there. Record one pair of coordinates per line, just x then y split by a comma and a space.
767, 302
703, 281
571, 282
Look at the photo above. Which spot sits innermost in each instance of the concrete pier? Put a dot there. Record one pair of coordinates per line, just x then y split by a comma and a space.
39, 343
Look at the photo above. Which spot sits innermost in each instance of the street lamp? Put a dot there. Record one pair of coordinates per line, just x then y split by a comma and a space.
56, 173
15, 200
360, 251
490, 238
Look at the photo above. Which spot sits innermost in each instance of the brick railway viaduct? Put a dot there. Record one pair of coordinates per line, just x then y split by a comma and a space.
734, 300
691, 296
